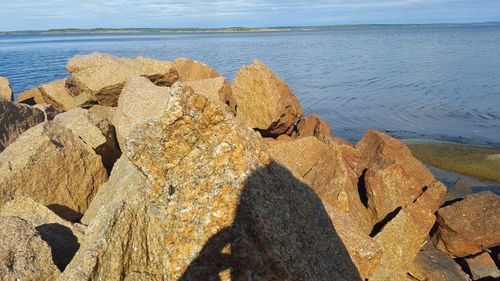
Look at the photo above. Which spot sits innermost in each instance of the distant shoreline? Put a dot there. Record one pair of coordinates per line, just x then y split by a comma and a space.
235, 29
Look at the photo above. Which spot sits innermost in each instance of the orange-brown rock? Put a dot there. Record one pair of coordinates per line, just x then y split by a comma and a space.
332, 171
55, 94
15, 119
469, 226
195, 196
482, 267
214, 88
403, 236
393, 178
312, 125
102, 76
6, 89
190, 70
23, 254
95, 131
265, 102
54, 167
434, 265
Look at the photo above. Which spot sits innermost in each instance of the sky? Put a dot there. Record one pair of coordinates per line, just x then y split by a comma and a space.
47, 14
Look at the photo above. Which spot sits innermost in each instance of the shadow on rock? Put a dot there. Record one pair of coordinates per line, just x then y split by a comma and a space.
281, 231
62, 242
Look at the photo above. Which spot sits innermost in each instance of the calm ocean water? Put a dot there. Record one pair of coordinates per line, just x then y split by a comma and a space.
437, 82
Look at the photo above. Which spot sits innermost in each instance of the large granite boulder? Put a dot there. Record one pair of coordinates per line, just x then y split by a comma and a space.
139, 101
61, 236
191, 70
469, 226
103, 76
95, 130
215, 88
195, 196
23, 253
6, 89
434, 265
402, 237
332, 171
393, 177
54, 167
15, 119
265, 103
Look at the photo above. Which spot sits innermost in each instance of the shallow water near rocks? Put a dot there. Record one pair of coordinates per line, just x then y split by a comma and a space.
433, 82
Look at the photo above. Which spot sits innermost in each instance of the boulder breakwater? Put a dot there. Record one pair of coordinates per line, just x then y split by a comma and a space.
139, 169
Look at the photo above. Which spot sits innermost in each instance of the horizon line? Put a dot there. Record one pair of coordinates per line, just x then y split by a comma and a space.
246, 27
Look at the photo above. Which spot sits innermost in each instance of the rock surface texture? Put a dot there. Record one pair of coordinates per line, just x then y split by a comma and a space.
215, 88
190, 70
15, 119
61, 236
102, 76
196, 197
265, 102
469, 226
95, 130
54, 167
482, 266
23, 254
6, 89
140, 100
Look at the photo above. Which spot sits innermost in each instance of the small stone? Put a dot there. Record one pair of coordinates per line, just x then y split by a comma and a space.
482, 266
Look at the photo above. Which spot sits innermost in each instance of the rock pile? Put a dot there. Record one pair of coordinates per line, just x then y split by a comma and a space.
155, 170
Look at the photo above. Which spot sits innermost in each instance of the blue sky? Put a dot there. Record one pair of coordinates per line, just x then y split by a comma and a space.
46, 14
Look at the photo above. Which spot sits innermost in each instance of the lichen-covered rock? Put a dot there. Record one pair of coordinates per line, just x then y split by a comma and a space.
139, 101
393, 178
190, 70
482, 266
6, 89
265, 103
403, 236
15, 119
54, 167
312, 125
103, 76
61, 236
214, 88
23, 254
195, 196
95, 131
469, 226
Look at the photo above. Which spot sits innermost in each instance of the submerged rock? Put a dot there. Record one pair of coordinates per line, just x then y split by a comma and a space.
190, 70
196, 197
102, 76
95, 131
265, 102
474, 161
6, 89
23, 254
393, 177
215, 88
15, 119
469, 226
54, 167
61, 236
